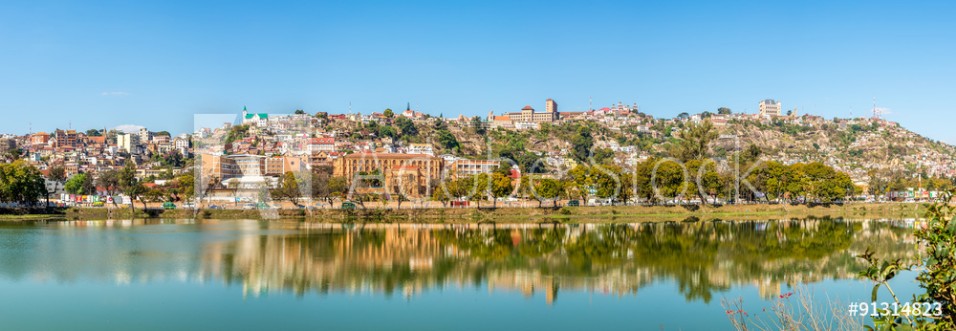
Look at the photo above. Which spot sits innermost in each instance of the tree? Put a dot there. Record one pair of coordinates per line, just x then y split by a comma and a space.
695, 141
22, 183
440, 125
57, 176
338, 188
154, 195
327, 187
501, 187
706, 181
627, 191
580, 181
442, 193
320, 185
299, 112
93, 133
478, 126
79, 184
289, 188
547, 189
387, 131
669, 180
447, 140
406, 126
724, 111
474, 188
171, 159
827, 184
130, 185
109, 180
389, 114
606, 181
582, 142
400, 197
642, 179
185, 186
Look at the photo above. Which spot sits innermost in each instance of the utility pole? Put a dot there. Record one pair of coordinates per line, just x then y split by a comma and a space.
919, 180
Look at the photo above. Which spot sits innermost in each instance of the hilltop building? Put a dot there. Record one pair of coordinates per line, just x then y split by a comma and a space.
550, 106
410, 113
527, 117
770, 108
257, 119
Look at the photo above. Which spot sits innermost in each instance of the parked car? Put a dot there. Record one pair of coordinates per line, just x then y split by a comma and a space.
169, 205
249, 206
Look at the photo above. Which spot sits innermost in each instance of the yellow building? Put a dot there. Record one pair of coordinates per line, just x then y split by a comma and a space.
390, 173
770, 107
550, 106
528, 115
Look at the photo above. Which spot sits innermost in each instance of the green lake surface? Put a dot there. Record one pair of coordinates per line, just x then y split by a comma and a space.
261, 275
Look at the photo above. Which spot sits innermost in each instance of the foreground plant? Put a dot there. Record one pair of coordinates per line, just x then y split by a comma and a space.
937, 239
791, 311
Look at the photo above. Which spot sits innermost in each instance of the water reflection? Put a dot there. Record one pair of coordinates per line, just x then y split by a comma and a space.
702, 258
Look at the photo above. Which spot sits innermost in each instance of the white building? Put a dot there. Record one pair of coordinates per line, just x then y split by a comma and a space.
420, 149
127, 142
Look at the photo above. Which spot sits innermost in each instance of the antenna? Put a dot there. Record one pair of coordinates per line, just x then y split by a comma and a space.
590, 105
877, 112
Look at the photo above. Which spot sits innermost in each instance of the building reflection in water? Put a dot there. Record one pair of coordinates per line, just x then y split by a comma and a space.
702, 259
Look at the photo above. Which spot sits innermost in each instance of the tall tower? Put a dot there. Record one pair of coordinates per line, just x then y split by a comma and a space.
551, 106
877, 112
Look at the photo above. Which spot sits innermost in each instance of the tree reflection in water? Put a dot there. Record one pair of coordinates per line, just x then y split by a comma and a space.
701, 258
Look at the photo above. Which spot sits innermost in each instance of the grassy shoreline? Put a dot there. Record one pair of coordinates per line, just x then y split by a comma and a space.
31, 217
600, 214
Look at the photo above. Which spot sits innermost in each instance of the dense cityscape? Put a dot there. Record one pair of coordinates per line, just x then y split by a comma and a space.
477, 165
610, 155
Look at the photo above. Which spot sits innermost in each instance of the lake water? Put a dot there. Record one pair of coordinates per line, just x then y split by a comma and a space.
255, 275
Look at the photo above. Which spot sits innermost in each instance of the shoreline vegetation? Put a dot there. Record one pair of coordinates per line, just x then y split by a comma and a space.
589, 214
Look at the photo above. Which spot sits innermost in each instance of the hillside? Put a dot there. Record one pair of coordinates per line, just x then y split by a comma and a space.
870, 150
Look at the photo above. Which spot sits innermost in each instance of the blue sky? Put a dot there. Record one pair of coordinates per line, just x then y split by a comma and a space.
156, 63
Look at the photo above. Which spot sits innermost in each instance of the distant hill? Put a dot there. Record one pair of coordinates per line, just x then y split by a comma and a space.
865, 148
